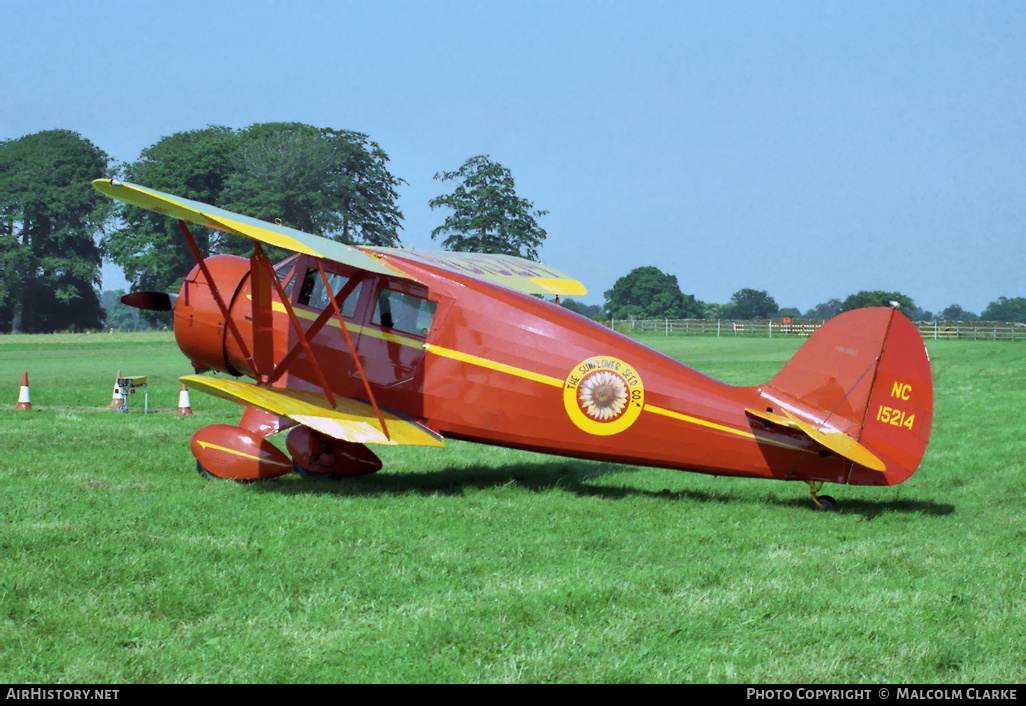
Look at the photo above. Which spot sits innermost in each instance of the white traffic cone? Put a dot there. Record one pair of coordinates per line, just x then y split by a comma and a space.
24, 402
117, 400
184, 408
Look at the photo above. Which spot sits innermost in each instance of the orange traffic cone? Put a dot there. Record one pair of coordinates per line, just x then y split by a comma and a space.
24, 402
117, 400
184, 408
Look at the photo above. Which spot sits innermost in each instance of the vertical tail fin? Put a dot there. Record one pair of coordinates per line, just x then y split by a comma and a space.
862, 382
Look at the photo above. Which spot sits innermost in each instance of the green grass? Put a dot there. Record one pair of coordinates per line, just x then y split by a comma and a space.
119, 564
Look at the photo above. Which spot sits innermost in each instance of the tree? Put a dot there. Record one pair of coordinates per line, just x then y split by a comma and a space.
1005, 309
750, 304
49, 216
592, 311
647, 293
488, 216
956, 313
878, 298
826, 310
332, 183
148, 246
120, 316
712, 310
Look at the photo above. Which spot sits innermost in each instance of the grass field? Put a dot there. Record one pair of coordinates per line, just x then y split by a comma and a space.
118, 563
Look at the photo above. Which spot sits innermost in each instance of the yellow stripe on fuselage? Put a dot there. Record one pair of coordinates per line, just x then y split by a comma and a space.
553, 382
526, 374
492, 365
353, 328
699, 422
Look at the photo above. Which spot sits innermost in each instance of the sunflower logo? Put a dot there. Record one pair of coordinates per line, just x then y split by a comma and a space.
603, 395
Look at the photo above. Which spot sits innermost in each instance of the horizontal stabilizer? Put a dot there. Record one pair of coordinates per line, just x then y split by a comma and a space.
228, 222
831, 439
352, 420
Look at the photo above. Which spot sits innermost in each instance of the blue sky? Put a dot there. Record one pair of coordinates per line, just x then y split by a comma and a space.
810, 149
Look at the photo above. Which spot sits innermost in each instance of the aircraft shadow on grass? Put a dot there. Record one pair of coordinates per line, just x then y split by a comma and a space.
570, 477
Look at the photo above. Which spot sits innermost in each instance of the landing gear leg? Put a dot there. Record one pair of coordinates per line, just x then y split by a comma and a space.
822, 502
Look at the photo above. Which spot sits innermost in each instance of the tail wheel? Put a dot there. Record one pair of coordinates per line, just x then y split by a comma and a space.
821, 502
826, 502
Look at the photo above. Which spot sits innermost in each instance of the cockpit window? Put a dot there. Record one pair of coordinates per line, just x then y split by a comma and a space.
404, 312
285, 271
312, 293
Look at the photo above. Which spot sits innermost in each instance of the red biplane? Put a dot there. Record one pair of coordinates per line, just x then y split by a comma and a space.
351, 346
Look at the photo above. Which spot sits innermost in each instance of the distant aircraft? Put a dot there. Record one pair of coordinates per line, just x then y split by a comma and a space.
350, 346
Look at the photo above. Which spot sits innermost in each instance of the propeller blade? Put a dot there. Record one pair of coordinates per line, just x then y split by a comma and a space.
150, 301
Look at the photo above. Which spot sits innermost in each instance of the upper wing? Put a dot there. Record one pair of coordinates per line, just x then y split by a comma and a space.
261, 231
352, 420
509, 271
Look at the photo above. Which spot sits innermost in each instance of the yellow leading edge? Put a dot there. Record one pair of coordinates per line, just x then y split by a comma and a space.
219, 219
352, 420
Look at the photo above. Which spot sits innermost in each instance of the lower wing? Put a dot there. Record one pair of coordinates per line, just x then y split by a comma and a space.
352, 420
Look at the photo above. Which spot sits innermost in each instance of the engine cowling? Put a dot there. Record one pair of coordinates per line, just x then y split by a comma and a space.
199, 323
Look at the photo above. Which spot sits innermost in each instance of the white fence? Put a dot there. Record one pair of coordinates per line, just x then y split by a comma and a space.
973, 331
768, 328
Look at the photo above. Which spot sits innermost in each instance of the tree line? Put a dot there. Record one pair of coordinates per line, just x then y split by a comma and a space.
55, 229
648, 293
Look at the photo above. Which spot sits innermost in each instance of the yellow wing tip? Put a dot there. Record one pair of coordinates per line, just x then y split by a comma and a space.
562, 286
509, 271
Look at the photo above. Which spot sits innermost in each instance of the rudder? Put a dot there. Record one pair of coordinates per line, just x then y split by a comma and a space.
900, 411
864, 376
